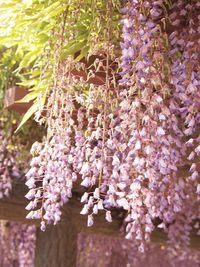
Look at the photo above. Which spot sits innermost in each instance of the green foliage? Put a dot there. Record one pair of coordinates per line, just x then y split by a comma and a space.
29, 39
22, 142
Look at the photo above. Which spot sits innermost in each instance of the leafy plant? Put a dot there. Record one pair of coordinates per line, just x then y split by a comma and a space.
29, 29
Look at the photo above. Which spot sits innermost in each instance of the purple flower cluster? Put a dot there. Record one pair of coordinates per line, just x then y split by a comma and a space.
51, 175
17, 244
8, 166
152, 132
164, 87
128, 143
185, 104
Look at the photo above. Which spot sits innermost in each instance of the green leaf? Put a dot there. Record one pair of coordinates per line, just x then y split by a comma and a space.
54, 12
28, 115
30, 57
9, 5
28, 83
83, 54
74, 47
29, 97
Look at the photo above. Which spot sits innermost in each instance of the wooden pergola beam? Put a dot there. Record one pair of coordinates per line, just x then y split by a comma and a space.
13, 209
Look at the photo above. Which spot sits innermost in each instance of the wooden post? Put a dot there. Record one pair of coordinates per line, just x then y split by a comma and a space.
57, 246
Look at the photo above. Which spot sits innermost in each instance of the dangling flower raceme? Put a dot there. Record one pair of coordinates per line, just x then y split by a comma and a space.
127, 143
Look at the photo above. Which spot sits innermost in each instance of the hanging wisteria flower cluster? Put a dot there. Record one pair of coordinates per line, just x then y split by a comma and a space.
117, 252
17, 244
126, 140
185, 104
166, 114
53, 161
9, 168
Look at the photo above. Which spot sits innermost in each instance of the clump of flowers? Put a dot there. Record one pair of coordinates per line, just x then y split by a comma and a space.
53, 161
17, 244
9, 168
126, 142
185, 102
